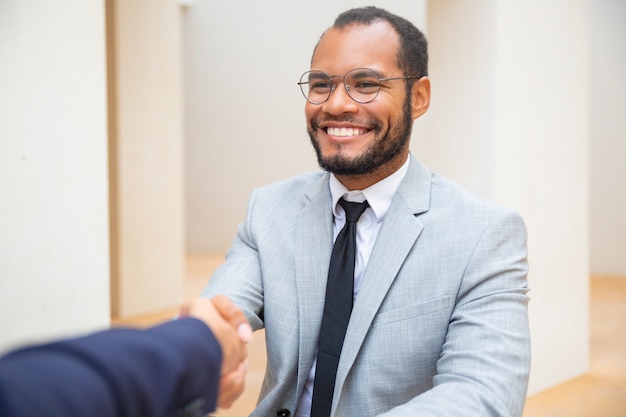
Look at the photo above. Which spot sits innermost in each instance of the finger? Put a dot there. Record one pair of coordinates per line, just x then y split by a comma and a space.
184, 311
244, 330
228, 310
236, 354
234, 316
231, 386
233, 349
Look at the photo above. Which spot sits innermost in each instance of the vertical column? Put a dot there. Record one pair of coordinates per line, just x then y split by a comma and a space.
148, 247
608, 130
54, 260
510, 120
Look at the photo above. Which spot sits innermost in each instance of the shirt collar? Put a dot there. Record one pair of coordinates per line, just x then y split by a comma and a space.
378, 195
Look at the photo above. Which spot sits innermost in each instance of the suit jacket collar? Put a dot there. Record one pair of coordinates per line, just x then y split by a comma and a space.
415, 188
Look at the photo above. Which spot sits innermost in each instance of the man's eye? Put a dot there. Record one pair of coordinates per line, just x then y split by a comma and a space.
367, 86
319, 86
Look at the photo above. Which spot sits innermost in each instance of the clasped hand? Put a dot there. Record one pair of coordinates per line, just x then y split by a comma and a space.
232, 330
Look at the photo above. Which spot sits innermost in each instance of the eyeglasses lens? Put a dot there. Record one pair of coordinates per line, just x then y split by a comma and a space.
362, 85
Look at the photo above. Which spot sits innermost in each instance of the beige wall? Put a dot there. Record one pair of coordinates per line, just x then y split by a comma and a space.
147, 156
54, 260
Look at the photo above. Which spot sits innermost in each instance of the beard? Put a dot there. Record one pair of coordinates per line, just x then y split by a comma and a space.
384, 149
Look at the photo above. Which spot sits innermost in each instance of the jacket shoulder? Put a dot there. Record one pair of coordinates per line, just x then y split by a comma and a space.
292, 189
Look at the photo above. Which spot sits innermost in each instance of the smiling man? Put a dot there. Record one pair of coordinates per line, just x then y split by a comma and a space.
384, 289
361, 132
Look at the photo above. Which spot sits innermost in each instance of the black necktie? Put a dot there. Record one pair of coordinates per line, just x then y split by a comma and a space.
337, 309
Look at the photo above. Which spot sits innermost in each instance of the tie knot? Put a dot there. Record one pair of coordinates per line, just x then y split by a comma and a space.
353, 210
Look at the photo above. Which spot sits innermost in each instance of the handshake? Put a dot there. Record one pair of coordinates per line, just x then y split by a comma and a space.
232, 330
162, 370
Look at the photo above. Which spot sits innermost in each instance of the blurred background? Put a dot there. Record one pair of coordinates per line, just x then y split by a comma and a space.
133, 131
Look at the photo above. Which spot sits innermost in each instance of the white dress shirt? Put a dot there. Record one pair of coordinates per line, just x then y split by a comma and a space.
379, 197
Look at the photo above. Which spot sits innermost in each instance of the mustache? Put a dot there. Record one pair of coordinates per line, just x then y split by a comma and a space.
370, 124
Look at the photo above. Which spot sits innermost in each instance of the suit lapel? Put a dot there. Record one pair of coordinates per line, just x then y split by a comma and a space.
398, 234
312, 250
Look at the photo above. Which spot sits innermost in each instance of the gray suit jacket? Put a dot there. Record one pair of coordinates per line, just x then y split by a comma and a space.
440, 326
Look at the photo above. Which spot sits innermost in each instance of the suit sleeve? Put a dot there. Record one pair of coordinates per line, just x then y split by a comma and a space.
484, 366
163, 371
240, 276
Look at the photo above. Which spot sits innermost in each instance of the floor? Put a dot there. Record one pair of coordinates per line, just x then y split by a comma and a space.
600, 393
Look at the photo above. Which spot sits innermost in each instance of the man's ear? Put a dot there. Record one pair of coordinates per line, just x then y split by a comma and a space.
420, 97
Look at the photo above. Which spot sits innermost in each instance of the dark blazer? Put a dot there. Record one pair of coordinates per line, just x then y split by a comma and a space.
168, 370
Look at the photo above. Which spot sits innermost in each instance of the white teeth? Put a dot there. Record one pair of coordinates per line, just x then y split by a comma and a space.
344, 132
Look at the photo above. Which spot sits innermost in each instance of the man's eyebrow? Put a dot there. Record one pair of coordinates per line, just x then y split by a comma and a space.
317, 75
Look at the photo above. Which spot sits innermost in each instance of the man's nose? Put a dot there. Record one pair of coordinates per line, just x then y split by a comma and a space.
340, 101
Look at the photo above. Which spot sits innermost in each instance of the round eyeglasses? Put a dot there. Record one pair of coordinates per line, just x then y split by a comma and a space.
362, 84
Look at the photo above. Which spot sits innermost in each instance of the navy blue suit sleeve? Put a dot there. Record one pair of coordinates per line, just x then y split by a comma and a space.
171, 369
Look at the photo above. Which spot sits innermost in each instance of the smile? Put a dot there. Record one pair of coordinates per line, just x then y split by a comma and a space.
345, 131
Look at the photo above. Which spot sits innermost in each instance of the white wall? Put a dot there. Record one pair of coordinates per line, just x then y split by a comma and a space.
510, 120
543, 155
459, 135
239, 133
608, 132
54, 264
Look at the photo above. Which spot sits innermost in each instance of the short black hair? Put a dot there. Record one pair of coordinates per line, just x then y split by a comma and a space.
413, 53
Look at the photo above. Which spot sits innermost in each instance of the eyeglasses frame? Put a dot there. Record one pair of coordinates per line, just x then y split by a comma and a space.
347, 87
